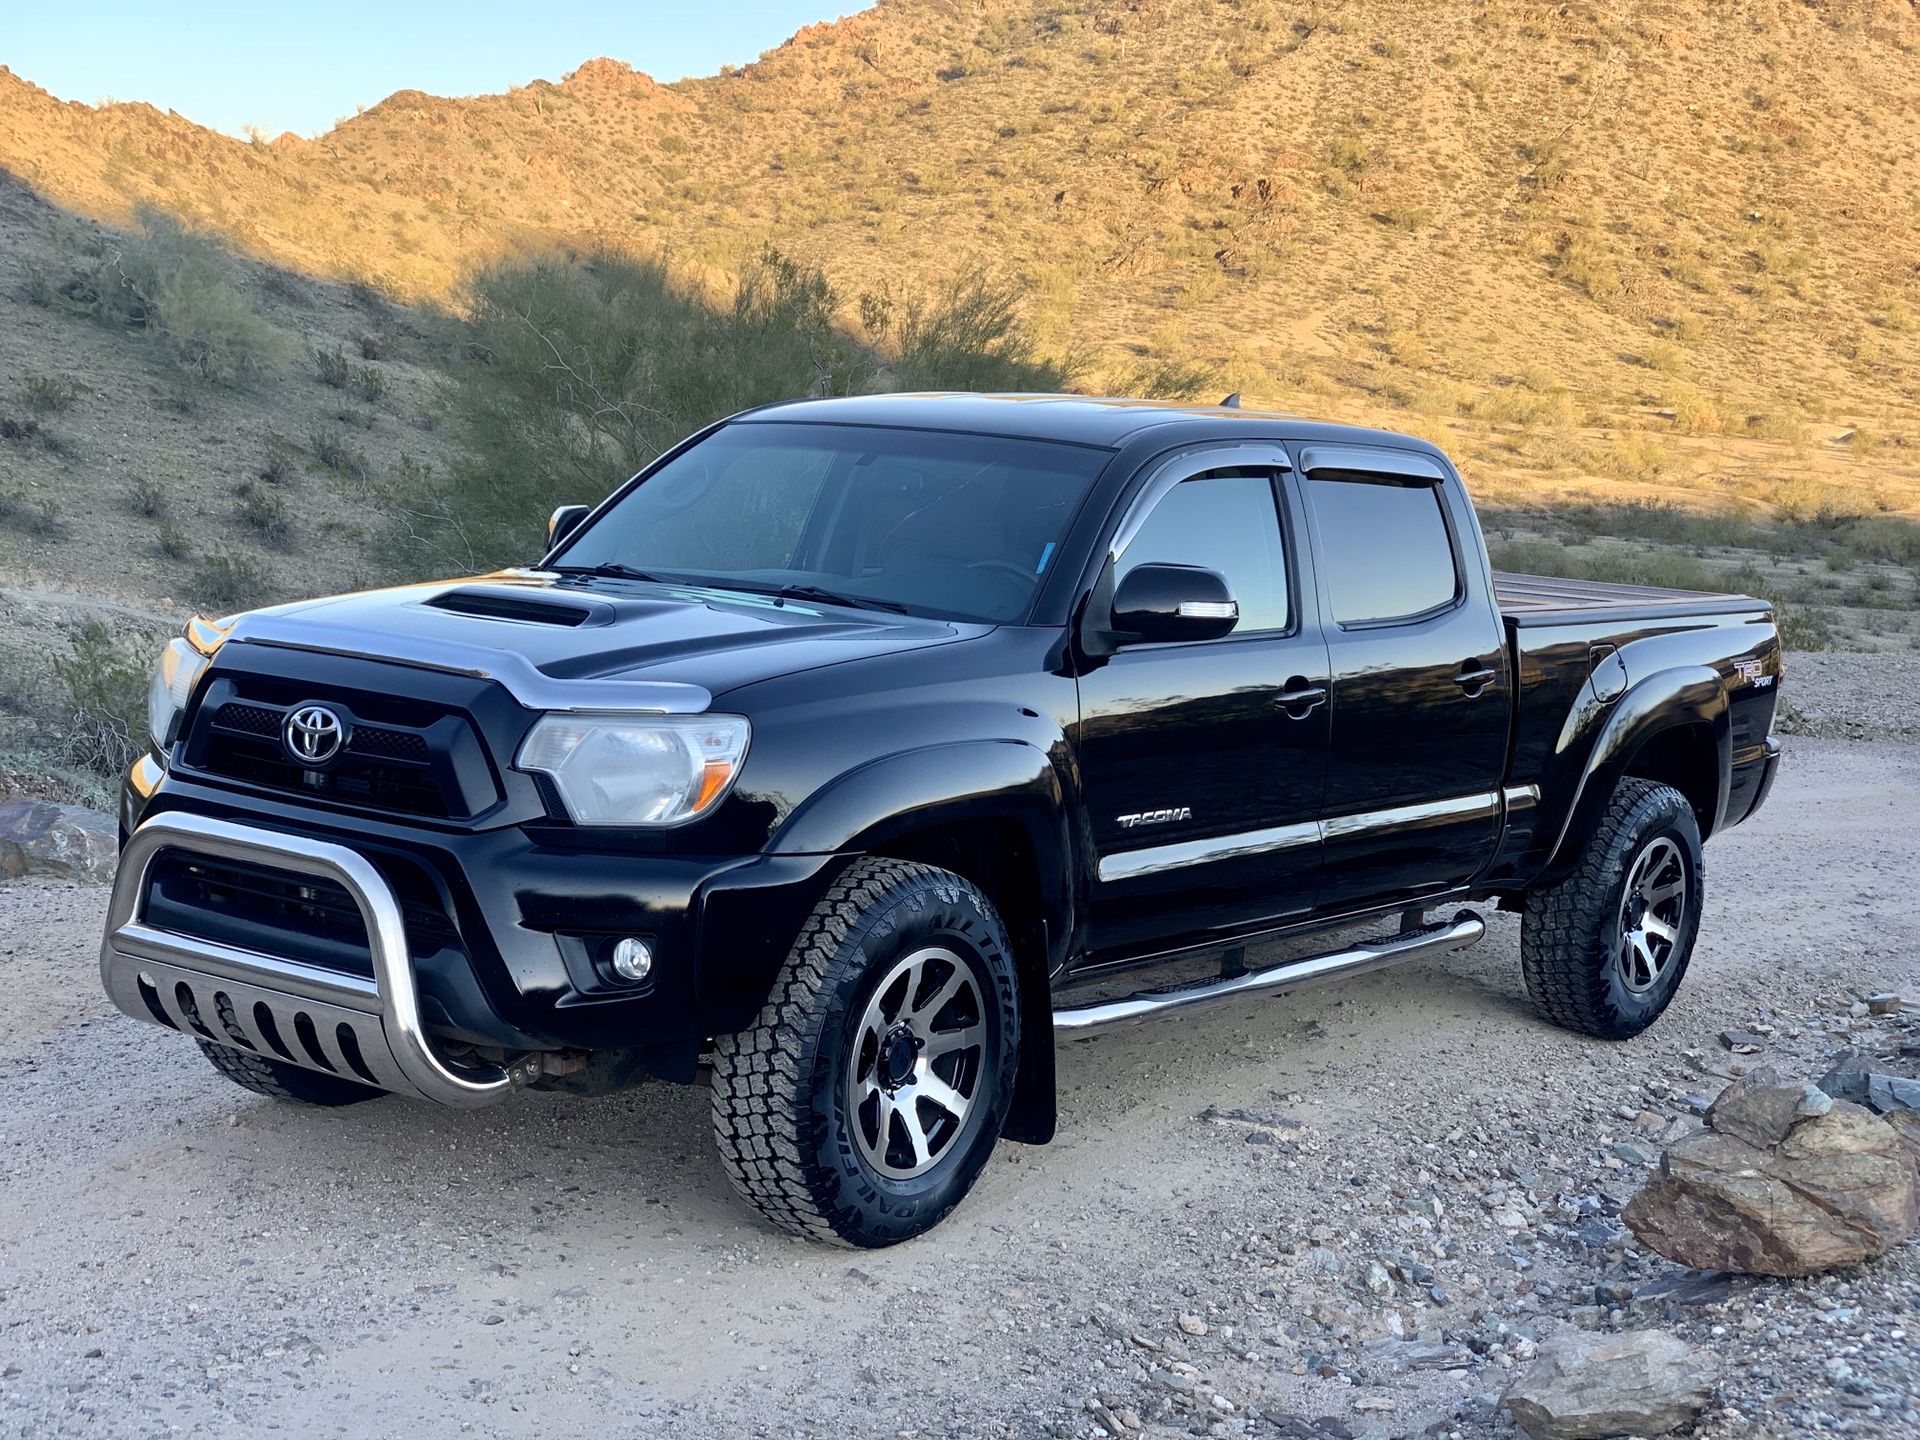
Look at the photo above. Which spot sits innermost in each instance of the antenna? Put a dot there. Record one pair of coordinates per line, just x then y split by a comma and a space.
1232, 402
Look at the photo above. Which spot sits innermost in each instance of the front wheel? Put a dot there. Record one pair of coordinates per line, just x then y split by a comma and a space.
279, 1081
864, 1100
1603, 950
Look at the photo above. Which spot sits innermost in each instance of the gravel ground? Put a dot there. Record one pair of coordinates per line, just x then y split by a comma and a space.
1365, 1203
1849, 695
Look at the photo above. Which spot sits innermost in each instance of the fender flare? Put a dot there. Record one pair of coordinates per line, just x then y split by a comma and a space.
953, 781
1667, 699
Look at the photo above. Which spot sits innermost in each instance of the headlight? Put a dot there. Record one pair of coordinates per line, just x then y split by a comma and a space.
637, 769
173, 680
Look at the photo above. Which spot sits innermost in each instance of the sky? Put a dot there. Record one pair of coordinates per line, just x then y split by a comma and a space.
301, 66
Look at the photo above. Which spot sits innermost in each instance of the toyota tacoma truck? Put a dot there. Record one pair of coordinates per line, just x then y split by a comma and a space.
852, 750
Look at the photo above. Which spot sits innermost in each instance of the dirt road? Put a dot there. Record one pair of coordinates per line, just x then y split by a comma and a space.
177, 1256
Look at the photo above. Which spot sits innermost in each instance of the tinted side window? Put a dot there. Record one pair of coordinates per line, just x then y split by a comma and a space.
1386, 548
1226, 523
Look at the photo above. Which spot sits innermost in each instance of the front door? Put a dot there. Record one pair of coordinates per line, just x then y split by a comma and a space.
1203, 764
1421, 693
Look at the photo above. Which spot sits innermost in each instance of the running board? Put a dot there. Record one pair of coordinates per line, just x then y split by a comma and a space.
1455, 934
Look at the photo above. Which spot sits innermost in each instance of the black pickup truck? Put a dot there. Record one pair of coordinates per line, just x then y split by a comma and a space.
856, 746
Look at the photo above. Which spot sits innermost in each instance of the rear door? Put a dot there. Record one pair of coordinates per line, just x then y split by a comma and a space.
1202, 764
1421, 691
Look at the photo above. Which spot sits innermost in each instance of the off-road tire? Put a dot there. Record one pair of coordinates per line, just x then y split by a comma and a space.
278, 1080
780, 1109
1570, 937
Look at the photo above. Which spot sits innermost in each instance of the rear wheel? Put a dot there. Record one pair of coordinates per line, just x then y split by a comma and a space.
280, 1081
862, 1103
1604, 950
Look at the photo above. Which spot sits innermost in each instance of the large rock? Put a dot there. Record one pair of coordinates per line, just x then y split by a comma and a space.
1583, 1386
38, 837
1778, 1188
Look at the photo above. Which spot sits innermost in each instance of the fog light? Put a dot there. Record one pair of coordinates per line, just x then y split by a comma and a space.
632, 959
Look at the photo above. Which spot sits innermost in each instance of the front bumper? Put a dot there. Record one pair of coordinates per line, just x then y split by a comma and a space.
362, 1029
491, 975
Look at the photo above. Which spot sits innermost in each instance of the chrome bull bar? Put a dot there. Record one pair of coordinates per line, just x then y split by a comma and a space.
317, 1019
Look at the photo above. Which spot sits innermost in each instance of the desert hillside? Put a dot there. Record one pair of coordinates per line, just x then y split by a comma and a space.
1703, 212
1649, 271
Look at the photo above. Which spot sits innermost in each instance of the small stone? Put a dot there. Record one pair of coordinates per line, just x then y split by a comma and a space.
1193, 1324
1759, 1109
493, 1320
1887, 1093
1585, 1386
1813, 1101
1885, 1003
1741, 1042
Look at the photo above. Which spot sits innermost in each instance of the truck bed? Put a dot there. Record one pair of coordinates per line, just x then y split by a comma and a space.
1530, 600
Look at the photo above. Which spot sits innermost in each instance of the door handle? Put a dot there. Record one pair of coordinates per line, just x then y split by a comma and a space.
1474, 677
1299, 693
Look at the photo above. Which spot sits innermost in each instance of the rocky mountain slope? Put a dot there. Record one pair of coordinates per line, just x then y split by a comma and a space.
1691, 211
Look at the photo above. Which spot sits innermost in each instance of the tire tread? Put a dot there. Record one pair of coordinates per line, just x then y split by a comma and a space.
1562, 957
279, 1081
760, 1074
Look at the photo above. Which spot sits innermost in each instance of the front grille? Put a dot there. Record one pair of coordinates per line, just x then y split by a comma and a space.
375, 740
427, 764
298, 917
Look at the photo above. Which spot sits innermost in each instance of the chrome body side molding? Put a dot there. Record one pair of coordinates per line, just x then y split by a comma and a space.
1411, 817
1157, 859
1132, 864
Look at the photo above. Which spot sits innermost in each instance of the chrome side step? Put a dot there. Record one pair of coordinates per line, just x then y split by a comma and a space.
1455, 934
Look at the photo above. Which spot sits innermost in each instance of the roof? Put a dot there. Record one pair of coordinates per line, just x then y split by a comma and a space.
1079, 419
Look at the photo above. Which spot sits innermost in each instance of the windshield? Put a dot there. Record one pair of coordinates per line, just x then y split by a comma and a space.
929, 522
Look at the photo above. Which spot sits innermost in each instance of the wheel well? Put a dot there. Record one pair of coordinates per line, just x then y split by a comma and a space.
998, 856
1686, 758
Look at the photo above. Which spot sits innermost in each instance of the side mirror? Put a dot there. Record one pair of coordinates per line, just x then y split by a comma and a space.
1158, 603
564, 521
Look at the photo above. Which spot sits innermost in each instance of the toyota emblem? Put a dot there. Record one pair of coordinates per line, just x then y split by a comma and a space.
313, 734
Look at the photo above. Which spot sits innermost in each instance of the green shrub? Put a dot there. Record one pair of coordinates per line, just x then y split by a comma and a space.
332, 367
173, 543
38, 518
278, 466
145, 498
103, 719
967, 335
331, 451
1348, 155
174, 284
48, 394
31, 432
265, 514
1168, 380
229, 582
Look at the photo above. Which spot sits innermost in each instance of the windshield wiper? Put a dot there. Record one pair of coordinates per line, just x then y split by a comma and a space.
807, 592
610, 569
834, 597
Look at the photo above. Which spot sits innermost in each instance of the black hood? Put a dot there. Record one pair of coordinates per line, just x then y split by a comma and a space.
603, 634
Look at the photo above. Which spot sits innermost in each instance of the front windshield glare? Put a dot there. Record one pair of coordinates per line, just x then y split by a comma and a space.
929, 522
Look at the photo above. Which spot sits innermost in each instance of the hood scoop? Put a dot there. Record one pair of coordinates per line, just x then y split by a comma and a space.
503, 604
